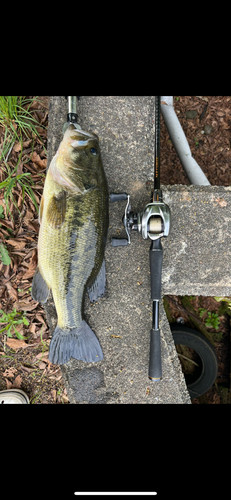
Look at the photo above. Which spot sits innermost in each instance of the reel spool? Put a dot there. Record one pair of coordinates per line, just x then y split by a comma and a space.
155, 225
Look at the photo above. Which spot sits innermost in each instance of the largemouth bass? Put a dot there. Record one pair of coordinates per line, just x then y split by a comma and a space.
73, 218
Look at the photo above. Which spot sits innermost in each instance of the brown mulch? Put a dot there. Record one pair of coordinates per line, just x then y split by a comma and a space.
208, 135
24, 363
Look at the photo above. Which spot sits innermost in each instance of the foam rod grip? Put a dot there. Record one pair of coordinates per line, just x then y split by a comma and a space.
155, 370
156, 260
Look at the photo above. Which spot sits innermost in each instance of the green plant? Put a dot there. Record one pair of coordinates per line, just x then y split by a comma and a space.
12, 319
35, 397
24, 180
1, 212
4, 256
224, 299
202, 311
16, 118
212, 320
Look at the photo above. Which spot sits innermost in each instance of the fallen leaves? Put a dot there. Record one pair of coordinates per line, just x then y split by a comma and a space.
20, 243
38, 162
211, 151
16, 343
18, 146
10, 372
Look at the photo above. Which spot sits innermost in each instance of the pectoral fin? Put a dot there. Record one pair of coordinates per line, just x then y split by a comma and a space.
56, 210
41, 210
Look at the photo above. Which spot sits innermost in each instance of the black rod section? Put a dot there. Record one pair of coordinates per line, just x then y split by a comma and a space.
156, 259
157, 144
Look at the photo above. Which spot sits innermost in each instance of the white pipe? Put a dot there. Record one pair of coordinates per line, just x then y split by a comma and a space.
195, 175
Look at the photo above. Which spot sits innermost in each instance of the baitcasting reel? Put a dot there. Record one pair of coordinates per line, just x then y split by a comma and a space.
153, 222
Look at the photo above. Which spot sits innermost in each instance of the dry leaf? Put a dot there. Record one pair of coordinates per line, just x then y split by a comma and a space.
32, 265
8, 384
11, 290
10, 372
32, 328
28, 216
27, 143
27, 305
17, 382
42, 355
16, 343
42, 365
221, 202
53, 394
16, 242
63, 398
37, 161
17, 147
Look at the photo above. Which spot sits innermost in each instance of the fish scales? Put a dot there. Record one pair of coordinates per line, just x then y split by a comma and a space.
72, 238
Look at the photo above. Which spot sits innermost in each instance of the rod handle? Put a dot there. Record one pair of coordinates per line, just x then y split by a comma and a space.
155, 370
156, 260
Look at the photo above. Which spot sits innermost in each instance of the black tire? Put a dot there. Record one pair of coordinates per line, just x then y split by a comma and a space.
206, 375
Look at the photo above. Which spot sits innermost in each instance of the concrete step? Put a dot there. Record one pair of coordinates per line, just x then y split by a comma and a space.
197, 253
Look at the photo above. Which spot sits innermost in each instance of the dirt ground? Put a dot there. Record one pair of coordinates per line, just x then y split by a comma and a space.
24, 362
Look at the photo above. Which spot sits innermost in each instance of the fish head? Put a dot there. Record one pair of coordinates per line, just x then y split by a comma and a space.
78, 157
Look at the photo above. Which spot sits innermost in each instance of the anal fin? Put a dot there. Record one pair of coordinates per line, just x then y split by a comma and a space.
40, 291
99, 286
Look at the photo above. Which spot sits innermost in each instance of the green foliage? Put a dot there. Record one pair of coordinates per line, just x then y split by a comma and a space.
4, 256
24, 180
202, 311
212, 320
16, 118
12, 319
224, 299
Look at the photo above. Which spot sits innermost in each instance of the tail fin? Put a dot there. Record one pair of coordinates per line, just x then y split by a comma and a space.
79, 343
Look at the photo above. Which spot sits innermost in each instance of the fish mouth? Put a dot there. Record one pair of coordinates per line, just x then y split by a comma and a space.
79, 137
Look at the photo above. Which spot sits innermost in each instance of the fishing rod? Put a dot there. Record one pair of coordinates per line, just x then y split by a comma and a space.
154, 223
72, 116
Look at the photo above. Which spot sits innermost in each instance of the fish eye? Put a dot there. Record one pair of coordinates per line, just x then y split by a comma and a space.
93, 151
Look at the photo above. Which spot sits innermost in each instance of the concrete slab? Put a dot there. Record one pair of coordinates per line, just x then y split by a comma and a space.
197, 253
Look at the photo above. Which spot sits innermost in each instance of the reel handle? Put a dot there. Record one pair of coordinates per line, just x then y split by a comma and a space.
118, 197
119, 242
